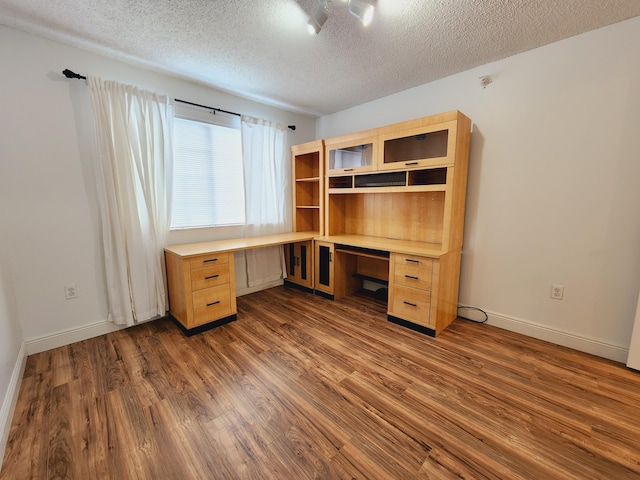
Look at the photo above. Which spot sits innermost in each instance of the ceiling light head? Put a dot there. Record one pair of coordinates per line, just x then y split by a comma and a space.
362, 9
318, 18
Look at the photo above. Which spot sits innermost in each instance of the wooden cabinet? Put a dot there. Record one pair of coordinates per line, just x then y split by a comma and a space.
201, 289
410, 200
299, 260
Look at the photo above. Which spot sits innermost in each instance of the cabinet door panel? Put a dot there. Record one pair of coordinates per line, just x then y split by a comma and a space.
324, 277
290, 260
299, 261
418, 147
324, 267
304, 260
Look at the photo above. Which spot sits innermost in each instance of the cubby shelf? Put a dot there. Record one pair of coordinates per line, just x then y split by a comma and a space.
423, 188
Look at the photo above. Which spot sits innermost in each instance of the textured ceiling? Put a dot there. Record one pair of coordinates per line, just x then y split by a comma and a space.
260, 49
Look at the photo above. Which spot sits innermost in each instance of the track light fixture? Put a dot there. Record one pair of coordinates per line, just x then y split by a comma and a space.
361, 9
319, 17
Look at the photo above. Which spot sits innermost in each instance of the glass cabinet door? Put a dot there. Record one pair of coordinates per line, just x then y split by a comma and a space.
418, 147
348, 156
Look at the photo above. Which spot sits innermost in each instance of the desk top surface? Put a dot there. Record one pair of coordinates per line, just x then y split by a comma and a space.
238, 244
387, 244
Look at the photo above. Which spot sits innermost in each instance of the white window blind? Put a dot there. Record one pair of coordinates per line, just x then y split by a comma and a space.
208, 184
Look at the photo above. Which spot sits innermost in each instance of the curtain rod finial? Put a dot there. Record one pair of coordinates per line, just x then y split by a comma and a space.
69, 74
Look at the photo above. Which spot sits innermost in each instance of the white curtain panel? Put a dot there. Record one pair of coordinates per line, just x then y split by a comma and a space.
266, 177
133, 176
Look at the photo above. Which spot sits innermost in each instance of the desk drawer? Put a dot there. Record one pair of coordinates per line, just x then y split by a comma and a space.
211, 304
208, 260
209, 276
414, 260
413, 276
411, 304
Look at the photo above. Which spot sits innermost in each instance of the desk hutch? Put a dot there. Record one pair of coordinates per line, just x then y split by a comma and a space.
383, 206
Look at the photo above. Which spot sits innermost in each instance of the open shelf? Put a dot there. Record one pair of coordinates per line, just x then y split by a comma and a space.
428, 179
307, 193
429, 176
307, 166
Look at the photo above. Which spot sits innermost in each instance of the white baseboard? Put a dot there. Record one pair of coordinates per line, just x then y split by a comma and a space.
559, 337
72, 335
84, 332
11, 399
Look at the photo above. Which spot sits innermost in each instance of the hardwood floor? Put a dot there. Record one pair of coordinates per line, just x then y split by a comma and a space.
301, 387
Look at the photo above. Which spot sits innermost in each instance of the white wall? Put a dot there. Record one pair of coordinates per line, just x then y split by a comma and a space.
47, 178
12, 351
554, 192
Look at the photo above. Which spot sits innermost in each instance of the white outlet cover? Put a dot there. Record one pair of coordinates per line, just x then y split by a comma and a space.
557, 292
70, 291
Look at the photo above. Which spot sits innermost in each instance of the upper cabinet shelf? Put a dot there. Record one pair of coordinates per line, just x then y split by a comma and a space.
432, 179
417, 144
412, 187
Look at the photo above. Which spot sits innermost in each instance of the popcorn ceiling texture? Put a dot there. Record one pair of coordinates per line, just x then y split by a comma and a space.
261, 50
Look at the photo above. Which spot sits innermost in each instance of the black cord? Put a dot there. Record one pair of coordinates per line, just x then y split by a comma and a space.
486, 316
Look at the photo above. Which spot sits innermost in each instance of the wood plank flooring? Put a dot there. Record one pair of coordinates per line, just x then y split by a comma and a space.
301, 387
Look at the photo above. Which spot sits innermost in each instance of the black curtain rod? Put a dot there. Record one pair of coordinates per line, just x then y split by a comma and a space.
69, 74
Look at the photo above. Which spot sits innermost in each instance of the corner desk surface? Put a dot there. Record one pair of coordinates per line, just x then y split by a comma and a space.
237, 244
364, 241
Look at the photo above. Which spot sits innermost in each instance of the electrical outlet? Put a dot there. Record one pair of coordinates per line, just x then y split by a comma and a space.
557, 292
70, 291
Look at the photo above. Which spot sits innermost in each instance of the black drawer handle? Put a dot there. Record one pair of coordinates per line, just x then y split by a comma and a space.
212, 276
348, 169
214, 303
411, 304
411, 163
211, 260
411, 277
411, 260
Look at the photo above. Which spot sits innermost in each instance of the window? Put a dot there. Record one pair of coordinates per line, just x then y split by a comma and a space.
208, 184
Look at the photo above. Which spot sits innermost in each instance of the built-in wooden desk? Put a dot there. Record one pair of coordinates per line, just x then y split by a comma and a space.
385, 204
201, 278
422, 278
